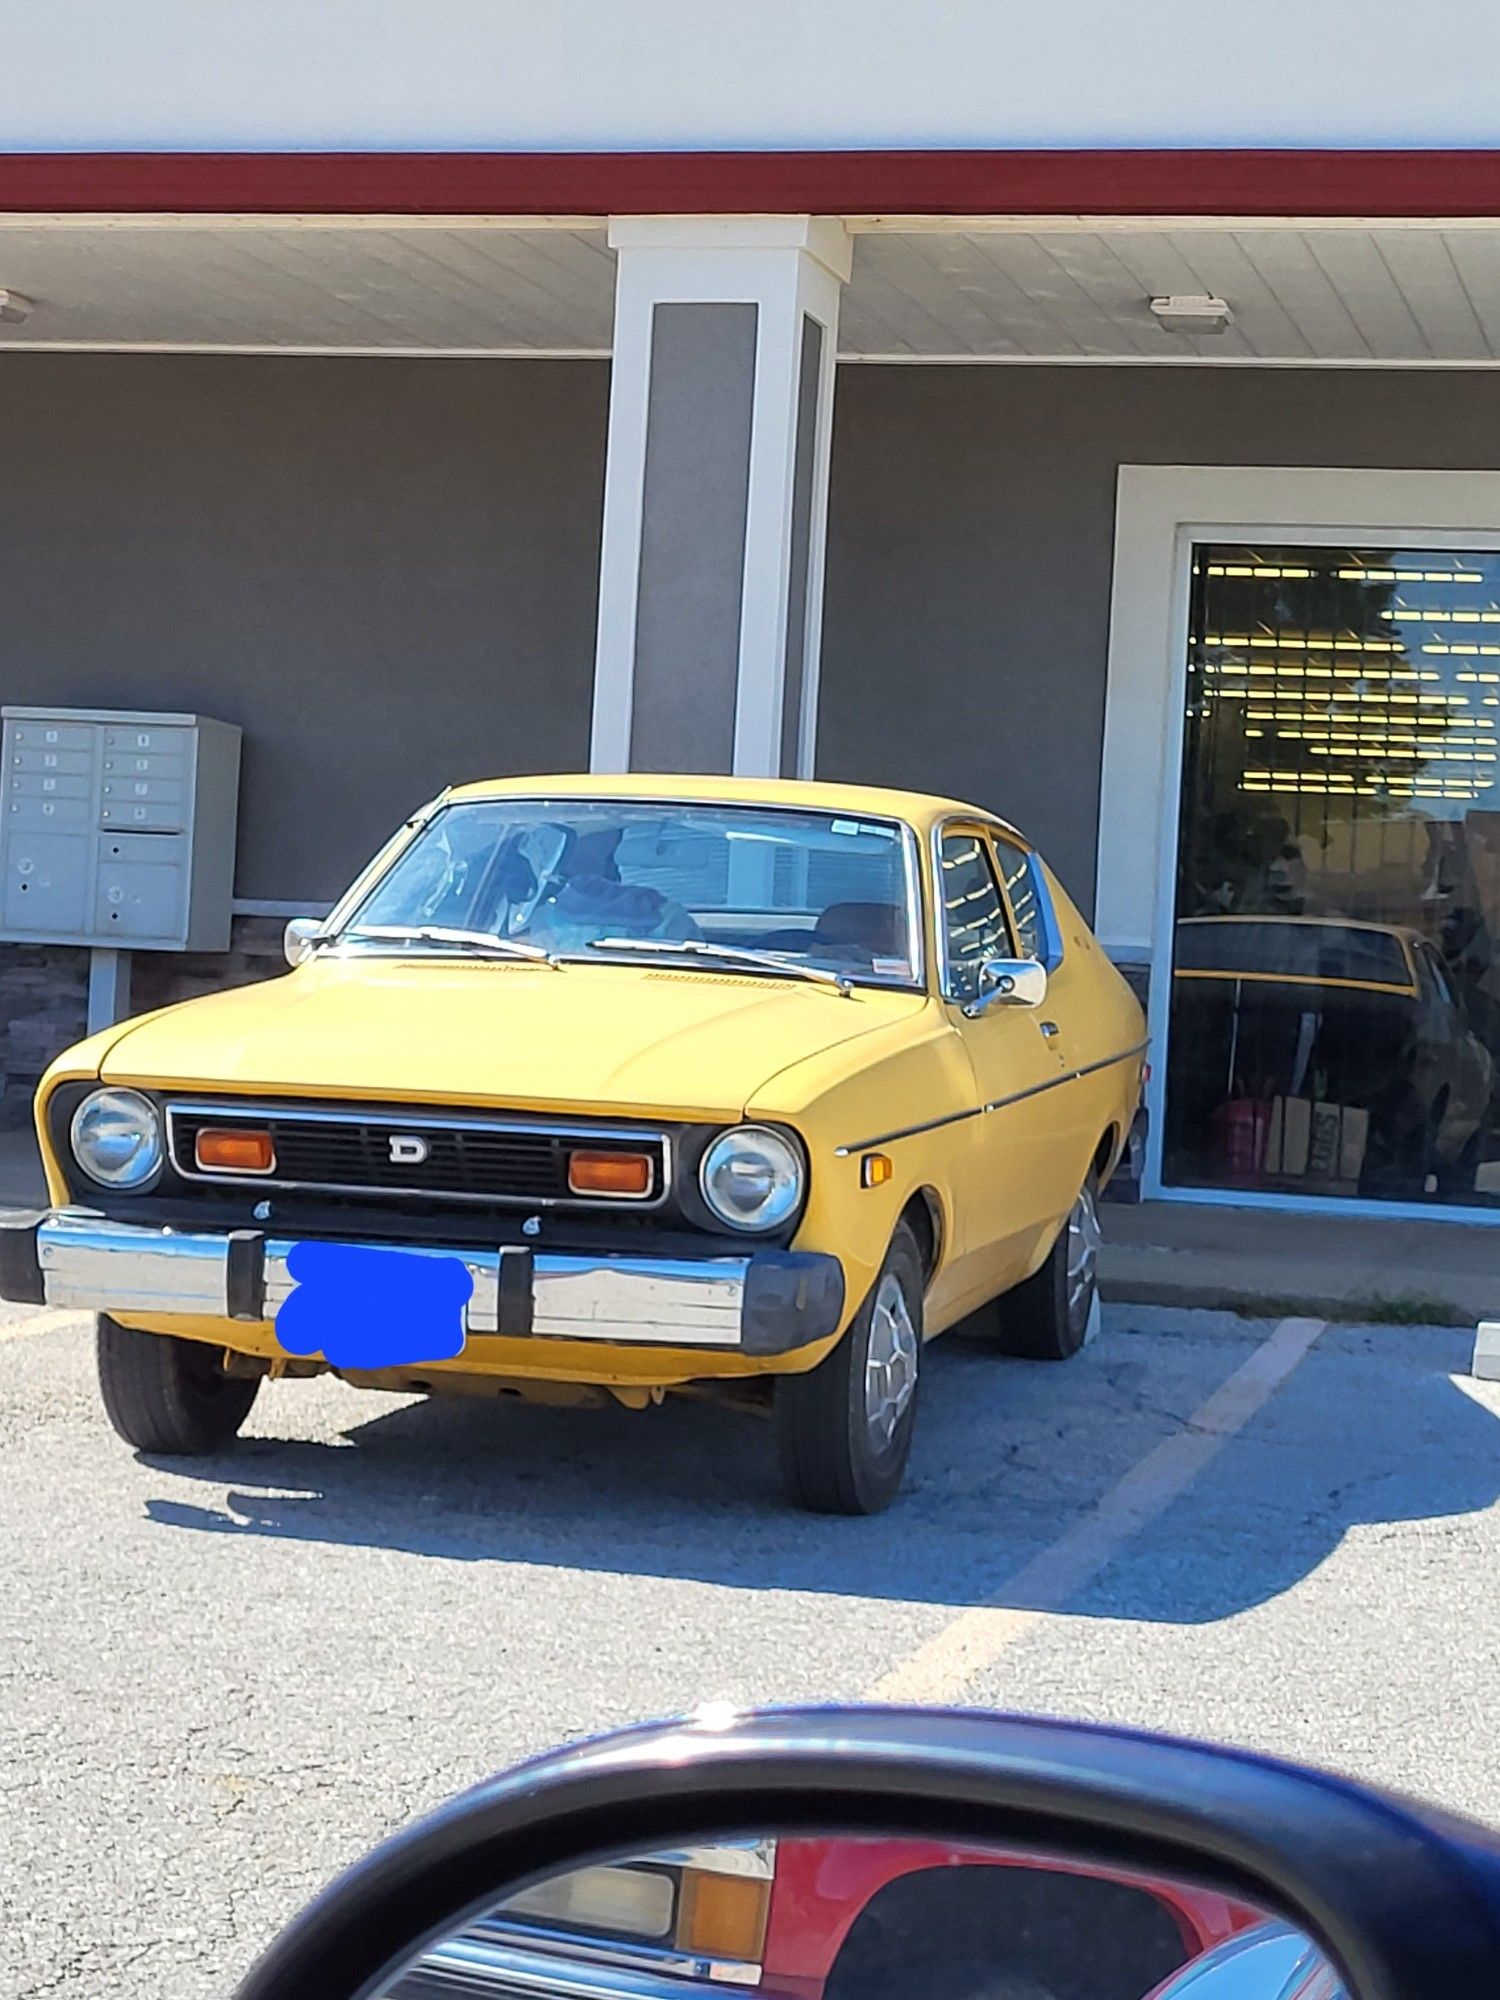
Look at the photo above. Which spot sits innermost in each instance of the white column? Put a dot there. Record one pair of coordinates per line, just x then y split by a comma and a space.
716, 492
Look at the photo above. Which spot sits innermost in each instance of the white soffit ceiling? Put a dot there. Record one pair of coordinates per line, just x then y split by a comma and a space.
1298, 294
1003, 290
298, 286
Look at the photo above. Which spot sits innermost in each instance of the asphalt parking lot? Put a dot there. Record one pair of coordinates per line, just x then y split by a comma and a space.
222, 1679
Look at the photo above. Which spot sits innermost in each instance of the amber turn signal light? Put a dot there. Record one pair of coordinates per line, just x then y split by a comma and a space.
875, 1170
610, 1173
228, 1150
722, 1916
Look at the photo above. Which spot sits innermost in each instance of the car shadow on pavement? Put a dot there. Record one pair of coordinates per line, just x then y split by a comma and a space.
1370, 1428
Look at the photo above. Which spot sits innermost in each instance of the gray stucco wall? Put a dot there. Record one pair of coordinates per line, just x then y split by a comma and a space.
384, 571
695, 499
970, 543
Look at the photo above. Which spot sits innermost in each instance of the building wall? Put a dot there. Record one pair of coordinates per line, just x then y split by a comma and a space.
385, 571
970, 543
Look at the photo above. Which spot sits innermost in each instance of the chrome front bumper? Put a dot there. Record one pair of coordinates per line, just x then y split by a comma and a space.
765, 1302
489, 1971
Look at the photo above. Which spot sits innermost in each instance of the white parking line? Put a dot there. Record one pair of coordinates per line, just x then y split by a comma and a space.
43, 1320
939, 1670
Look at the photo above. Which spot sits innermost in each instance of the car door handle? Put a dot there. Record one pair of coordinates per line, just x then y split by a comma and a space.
1049, 1028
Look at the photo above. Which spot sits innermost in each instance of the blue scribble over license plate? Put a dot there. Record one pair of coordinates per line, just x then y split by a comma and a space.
364, 1307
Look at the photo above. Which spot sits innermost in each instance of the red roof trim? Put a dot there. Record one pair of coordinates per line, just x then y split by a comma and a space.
1247, 183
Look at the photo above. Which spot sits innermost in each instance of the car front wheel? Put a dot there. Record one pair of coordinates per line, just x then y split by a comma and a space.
167, 1395
844, 1429
1051, 1315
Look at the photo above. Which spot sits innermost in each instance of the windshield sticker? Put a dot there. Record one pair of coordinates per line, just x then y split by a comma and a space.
847, 826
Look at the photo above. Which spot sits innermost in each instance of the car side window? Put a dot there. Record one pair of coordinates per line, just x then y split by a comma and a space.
1434, 993
1438, 973
1021, 887
975, 925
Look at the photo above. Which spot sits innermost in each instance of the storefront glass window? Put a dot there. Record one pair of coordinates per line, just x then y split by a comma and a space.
1335, 1012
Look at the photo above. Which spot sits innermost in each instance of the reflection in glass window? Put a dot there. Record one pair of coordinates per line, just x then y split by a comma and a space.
1020, 887
973, 912
1335, 1019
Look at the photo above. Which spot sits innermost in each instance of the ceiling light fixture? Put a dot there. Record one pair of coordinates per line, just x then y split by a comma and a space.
1192, 312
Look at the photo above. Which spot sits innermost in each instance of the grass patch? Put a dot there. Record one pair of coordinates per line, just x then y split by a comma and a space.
1402, 1311
1377, 1310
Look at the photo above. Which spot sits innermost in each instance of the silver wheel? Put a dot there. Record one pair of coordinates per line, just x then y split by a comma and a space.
890, 1362
1084, 1239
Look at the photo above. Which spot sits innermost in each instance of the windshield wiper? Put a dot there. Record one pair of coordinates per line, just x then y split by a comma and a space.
730, 954
441, 934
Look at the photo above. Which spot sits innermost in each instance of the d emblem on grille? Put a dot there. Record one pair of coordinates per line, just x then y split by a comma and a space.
408, 1149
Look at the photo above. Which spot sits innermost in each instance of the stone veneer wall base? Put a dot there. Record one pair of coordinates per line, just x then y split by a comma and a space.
44, 997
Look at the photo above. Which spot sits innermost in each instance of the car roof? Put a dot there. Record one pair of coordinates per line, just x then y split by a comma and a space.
918, 809
1405, 932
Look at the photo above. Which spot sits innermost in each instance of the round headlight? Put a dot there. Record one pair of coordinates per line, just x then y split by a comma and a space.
752, 1178
116, 1138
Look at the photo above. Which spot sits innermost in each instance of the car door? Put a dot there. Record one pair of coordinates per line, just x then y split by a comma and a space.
1018, 1191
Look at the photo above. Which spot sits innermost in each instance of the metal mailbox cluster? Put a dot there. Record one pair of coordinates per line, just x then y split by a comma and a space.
117, 829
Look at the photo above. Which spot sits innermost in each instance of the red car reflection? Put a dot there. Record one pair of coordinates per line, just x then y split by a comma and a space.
834, 1919
864, 1918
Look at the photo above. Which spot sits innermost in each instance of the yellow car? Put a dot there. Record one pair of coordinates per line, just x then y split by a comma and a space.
609, 1087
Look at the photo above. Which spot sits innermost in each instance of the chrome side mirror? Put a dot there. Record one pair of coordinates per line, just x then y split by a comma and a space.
299, 938
1009, 982
995, 1854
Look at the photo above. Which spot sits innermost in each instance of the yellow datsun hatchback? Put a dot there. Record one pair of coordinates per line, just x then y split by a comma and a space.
597, 1087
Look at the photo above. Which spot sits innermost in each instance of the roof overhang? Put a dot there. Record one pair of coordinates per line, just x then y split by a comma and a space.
904, 182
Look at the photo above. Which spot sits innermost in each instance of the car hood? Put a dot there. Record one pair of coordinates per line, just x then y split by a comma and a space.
680, 1043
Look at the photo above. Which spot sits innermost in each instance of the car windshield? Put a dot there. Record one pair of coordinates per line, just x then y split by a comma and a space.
817, 890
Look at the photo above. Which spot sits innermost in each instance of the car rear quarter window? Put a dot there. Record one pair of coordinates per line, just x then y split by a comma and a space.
1267, 949
1025, 895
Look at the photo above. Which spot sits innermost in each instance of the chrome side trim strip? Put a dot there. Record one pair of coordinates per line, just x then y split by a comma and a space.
995, 1104
1066, 1076
909, 1131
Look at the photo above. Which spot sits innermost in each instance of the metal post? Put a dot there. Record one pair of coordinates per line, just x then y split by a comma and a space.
109, 987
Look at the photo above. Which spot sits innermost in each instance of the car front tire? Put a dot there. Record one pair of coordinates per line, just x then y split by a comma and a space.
844, 1429
1048, 1317
167, 1395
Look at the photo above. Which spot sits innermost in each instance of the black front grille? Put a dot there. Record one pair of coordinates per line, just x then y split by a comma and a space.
479, 1161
